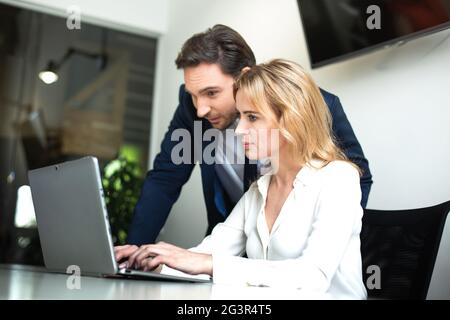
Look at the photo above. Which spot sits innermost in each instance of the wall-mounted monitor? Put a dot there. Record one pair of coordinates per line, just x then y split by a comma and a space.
339, 29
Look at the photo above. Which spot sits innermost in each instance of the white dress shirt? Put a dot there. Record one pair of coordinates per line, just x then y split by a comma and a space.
229, 162
314, 243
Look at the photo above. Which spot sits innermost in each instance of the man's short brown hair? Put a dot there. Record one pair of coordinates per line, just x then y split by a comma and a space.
219, 44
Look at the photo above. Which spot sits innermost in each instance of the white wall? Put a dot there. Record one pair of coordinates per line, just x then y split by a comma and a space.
397, 99
146, 17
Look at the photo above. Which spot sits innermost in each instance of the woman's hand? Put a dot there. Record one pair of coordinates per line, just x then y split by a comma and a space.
122, 253
150, 256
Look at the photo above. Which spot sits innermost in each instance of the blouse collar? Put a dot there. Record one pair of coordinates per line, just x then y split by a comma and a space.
304, 177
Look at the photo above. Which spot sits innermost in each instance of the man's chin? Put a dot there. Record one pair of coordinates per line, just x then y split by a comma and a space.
223, 123
219, 125
251, 155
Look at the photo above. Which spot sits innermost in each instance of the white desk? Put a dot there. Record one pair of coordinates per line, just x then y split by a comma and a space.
27, 282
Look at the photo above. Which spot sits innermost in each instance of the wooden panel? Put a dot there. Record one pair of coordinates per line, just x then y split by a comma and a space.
97, 133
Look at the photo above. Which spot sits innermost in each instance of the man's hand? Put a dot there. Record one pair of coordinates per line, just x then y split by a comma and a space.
123, 253
149, 257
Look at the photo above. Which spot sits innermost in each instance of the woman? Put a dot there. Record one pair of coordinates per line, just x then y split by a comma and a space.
299, 224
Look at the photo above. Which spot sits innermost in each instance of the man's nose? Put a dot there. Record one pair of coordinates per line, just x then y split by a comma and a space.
203, 110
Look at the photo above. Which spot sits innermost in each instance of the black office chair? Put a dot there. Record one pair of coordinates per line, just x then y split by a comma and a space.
404, 245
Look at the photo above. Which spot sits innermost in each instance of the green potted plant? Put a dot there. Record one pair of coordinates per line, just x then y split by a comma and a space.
122, 180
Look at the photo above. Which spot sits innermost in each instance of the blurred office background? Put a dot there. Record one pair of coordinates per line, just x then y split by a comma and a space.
94, 99
397, 98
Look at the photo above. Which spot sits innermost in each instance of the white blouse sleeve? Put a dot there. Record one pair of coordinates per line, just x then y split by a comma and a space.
227, 238
337, 219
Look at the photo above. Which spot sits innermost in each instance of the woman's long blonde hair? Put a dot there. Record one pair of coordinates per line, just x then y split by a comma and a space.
282, 91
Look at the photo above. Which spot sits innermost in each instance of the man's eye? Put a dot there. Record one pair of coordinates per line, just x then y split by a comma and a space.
211, 93
252, 118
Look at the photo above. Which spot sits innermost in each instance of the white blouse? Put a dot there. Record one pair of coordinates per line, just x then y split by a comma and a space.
314, 243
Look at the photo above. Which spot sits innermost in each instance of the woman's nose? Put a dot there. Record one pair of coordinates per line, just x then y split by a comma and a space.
241, 128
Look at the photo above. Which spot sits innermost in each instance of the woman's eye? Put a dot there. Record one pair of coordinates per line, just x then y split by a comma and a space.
252, 118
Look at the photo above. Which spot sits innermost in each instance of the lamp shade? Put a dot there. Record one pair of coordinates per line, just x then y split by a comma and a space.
49, 74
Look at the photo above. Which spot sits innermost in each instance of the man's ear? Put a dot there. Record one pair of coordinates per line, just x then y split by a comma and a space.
245, 69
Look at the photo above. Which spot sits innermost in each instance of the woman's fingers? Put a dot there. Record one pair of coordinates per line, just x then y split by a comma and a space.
132, 259
151, 256
144, 252
122, 252
138, 257
153, 263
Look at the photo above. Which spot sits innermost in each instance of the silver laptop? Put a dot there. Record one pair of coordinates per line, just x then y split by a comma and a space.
73, 221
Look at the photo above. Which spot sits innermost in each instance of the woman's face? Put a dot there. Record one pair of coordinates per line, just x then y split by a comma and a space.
260, 135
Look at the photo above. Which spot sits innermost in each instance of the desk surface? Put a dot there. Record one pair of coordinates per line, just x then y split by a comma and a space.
28, 282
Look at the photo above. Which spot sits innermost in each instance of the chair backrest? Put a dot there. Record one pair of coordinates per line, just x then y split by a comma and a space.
403, 244
440, 280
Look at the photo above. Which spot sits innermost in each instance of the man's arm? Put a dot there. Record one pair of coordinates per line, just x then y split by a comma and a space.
348, 142
163, 183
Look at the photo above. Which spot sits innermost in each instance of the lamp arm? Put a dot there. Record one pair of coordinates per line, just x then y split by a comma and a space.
72, 51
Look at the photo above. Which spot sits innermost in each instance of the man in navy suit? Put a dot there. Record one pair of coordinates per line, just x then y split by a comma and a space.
211, 61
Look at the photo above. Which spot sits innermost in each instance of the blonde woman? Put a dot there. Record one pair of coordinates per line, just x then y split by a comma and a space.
299, 224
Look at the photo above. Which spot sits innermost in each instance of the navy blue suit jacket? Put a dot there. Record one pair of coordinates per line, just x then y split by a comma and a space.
163, 183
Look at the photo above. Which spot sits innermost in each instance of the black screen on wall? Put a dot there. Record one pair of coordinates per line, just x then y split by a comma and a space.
338, 29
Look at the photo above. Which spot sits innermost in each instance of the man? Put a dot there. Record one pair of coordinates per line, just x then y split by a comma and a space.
211, 61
